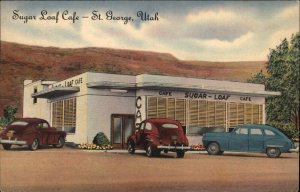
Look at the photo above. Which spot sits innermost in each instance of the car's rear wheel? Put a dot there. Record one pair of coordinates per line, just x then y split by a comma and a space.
61, 142
34, 145
213, 148
180, 154
6, 146
149, 151
273, 152
131, 147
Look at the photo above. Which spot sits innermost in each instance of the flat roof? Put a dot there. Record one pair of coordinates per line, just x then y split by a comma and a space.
111, 85
158, 82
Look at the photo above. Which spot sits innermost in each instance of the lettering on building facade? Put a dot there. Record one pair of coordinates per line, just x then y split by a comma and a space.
245, 98
206, 96
138, 115
165, 93
70, 83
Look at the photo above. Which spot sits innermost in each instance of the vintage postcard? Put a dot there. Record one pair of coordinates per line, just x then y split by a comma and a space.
149, 96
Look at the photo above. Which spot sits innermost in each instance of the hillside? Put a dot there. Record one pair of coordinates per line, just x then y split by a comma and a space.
20, 62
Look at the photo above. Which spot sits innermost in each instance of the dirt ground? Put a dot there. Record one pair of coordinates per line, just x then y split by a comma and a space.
75, 170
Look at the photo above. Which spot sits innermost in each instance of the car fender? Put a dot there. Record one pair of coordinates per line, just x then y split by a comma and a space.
222, 142
132, 138
30, 136
283, 146
61, 134
36, 136
153, 139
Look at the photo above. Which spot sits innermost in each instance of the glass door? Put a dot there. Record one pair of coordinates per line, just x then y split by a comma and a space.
122, 127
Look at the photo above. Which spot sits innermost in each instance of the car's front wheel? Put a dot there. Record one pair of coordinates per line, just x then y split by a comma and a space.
61, 143
180, 154
273, 152
6, 146
131, 147
149, 151
213, 148
34, 145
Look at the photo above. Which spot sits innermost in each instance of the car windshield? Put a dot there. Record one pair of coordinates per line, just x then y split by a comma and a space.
21, 123
167, 125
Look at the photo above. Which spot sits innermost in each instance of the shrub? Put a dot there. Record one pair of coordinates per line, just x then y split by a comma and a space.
287, 128
9, 115
101, 139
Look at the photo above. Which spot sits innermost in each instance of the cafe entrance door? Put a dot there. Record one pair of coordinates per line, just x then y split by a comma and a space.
122, 126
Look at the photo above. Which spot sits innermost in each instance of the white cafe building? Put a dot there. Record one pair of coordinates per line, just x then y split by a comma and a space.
115, 104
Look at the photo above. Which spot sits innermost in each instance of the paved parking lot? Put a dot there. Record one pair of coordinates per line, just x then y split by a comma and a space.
71, 169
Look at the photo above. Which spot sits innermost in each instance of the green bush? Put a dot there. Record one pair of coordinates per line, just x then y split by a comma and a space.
288, 129
101, 139
9, 115
3, 122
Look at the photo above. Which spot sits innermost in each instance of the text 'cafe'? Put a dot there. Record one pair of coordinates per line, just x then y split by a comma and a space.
90, 103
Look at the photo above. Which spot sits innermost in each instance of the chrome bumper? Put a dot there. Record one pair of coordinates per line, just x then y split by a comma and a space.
294, 150
13, 142
169, 147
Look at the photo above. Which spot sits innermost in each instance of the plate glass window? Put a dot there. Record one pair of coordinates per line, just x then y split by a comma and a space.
64, 115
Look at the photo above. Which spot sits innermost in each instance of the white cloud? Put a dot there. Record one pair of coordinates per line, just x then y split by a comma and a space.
238, 42
277, 37
224, 24
207, 16
291, 12
216, 34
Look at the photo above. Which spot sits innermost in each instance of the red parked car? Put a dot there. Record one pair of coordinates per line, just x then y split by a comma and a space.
156, 135
32, 132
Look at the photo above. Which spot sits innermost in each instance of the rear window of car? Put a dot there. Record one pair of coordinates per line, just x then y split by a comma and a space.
269, 132
21, 123
169, 126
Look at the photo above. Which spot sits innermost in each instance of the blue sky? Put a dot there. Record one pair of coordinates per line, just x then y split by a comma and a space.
190, 30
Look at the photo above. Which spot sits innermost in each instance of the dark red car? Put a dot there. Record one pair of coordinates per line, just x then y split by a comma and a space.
32, 132
156, 135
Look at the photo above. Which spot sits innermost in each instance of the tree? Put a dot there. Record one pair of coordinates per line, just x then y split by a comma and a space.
283, 76
9, 115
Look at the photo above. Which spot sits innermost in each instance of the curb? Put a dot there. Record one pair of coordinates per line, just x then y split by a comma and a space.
136, 151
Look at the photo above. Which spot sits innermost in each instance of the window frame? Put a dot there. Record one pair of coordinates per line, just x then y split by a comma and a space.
64, 115
261, 132
239, 131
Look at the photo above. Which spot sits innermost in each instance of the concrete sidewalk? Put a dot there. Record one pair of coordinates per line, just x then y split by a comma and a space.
136, 151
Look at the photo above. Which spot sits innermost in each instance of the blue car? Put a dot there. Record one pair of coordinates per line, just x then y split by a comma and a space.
249, 138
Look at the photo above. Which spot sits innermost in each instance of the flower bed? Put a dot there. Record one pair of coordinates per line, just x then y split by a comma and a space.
95, 147
197, 147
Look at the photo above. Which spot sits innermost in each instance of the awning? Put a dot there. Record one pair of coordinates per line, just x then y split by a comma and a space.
179, 87
195, 88
55, 92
